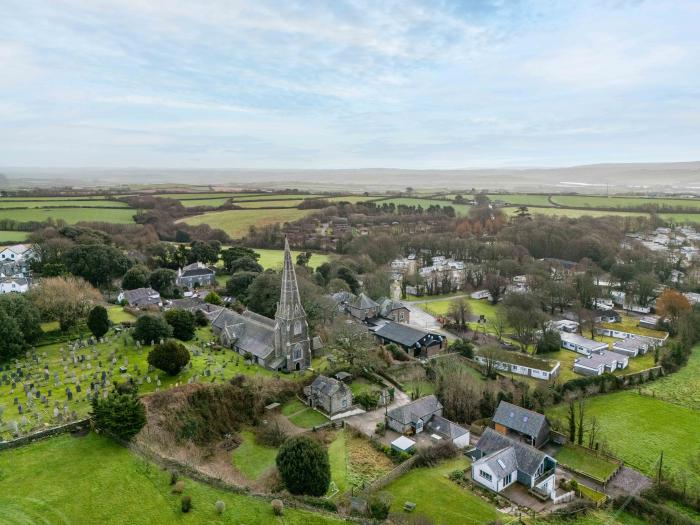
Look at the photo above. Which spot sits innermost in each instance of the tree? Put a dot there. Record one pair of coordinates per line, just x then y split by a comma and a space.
236, 252
524, 316
672, 304
549, 342
151, 328
463, 347
97, 263
303, 258
351, 343
644, 288
246, 264
182, 322
460, 311
304, 467
499, 323
25, 315
200, 318
213, 298
13, 342
169, 356
65, 299
121, 415
238, 284
204, 252
496, 285
162, 280
571, 420
264, 292
348, 276
523, 213
136, 277
98, 321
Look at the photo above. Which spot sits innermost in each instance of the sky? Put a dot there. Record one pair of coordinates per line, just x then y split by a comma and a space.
348, 84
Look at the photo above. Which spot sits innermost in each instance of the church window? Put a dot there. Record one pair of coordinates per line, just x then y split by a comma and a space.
297, 327
296, 353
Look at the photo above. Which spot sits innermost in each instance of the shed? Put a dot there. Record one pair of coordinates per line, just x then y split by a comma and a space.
403, 444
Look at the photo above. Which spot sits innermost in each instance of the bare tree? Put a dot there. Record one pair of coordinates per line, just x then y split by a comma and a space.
581, 426
499, 323
460, 311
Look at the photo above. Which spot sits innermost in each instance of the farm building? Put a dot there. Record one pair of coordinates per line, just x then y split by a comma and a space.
521, 424
518, 363
580, 344
598, 364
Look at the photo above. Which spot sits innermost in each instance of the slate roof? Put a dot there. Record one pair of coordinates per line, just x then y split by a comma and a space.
519, 419
195, 269
327, 386
501, 463
251, 334
631, 343
142, 296
582, 341
403, 334
603, 358
418, 409
445, 427
386, 306
528, 459
363, 302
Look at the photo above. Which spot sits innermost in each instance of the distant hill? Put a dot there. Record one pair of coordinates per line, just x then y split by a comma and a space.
3, 180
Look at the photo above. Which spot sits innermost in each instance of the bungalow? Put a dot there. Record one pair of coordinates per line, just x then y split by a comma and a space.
631, 346
581, 344
412, 417
521, 424
649, 321
563, 325
328, 394
195, 275
481, 294
417, 343
600, 363
654, 337
140, 297
518, 363
603, 315
501, 461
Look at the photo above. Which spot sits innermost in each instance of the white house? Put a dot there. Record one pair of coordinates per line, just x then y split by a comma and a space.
519, 363
481, 294
656, 340
598, 364
632, 346
16, 253
13, 285
580, 344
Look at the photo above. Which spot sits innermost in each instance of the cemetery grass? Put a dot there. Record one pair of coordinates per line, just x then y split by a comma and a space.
94, 480
681, 388
637, 428
586, 462
439, 498
252, 459
238, 222
71, 215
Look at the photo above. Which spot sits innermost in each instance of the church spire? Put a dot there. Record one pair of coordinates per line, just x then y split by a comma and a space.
289, 305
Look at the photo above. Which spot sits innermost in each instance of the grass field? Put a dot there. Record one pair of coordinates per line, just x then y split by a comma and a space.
460, 209
252, 459
275, 258
352, 198
440, 499
118, 315
207, 195
98, 203
581, 460
521, 199
259, 204
67, 480
637, 428
601, 201
11, 237
302, 415
681, 388
275, 197
212, 203
568, 212
70, 215
681, 218
237, 222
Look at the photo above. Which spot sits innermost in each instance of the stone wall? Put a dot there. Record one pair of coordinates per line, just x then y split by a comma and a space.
42, 434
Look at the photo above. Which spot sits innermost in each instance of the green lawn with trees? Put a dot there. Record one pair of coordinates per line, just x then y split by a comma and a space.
251, 458
93, 480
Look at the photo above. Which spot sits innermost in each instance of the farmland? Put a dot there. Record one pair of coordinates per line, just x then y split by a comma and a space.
10, 237
93, 203
460, 209
658, 426
256, 204
70, 215
72, 480
237, 222
568, 212
522, 199
601, 201
681, 388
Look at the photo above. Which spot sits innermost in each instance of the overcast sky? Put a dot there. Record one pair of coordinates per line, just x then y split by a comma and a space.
165, 83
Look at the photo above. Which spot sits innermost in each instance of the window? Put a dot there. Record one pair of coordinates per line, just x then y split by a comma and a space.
401, 317
296, 353
507, 479
297, 327
344, 403
485, 475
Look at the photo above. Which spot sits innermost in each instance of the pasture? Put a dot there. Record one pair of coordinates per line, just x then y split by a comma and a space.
681, 388
70, 215
460, 209
212, 203
280, 203
681, 218
521, 199
274, 259
568, 212
638, 428
615, 201
12, 237
91, 479
237, 223
64, 203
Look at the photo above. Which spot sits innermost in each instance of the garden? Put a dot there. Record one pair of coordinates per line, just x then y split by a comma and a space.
587, 462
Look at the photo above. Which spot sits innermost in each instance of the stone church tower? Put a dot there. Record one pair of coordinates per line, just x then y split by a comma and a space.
292, 343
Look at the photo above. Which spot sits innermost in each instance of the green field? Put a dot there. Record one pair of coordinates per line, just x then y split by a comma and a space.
352, 198
256, 204
567, 212
67, 480
681, 388
521, 199
118, 315
587, 462
637, 428
275, 197
602, 201
237, 222
681, 217
275, 258
460, 209
97, 203
70, 215
206, 195
440, 499
11, 237
251, 459
212, 203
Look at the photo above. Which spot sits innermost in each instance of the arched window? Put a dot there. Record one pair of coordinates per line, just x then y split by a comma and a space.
296, 352
297, 327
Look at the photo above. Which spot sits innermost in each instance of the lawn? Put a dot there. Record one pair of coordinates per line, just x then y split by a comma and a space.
308, 418
11, 237
118, 315
638, 428
681, 388
93, 480
252, 459
567, 357
587, 462
440, 499
238, 222
360, 385
70, 215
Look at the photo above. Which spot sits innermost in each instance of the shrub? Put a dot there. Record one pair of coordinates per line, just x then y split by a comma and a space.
380, 429
200, 319
367, 400
397, 353
272, 434
379, 506
277, 507
151, 328
179, 487
213, 298
186, 503
431, 456
98, 321
182, 322
220, 507
170, 357
549, 342
304, 466
173, 477
457, 475
119, 415
463, 347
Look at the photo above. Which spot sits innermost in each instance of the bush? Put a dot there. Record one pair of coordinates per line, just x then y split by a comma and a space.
98, 321
173, 477
119, 415
463, 347
182, 322
397, 353
380, 428
367, 400
170, 357
549, 342
272, 434
379, 506
186, 503
213, 298
179, 487
304, 467
220, 507
151, 329
431, 456
277, 507
457, 475
200, 319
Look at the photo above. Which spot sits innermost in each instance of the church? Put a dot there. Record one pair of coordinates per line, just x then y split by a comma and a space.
282, 343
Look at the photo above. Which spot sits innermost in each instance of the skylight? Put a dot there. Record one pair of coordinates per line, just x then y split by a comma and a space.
503, 465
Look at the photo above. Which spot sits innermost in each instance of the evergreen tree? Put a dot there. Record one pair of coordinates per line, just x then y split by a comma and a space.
151, 328
121, 415
304, 466
170, 357
182, 322
98, 321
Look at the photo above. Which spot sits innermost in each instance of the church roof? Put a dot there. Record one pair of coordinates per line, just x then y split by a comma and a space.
251, 335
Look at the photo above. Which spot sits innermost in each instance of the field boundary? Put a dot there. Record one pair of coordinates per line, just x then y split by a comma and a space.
43, 434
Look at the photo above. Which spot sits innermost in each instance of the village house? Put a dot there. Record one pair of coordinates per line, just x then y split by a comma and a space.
416, 342
521, 424
13, 285
599, 363
140, 297
518, 363
362, 307
501, 461
425, 415
195, 275
16, 253
329, 395
631, 346
394, 311
653, 337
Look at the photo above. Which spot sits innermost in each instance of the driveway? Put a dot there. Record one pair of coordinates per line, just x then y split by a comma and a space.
367, 422
424, 321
